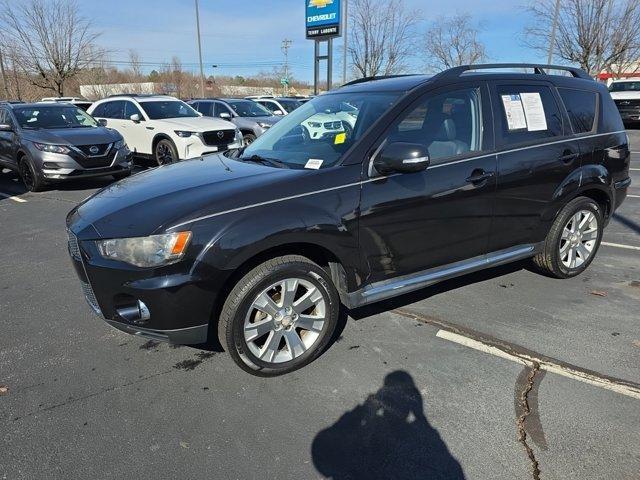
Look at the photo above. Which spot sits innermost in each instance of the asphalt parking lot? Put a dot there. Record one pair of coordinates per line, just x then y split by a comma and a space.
503, 374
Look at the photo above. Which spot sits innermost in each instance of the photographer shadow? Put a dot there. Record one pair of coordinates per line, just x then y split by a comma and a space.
387, 437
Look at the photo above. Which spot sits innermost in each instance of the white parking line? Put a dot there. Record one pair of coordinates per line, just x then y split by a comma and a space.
11, 197
620, 245
635, 169
547, 365
633, 196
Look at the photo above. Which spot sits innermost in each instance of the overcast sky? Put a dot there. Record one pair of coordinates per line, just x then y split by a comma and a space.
244, 36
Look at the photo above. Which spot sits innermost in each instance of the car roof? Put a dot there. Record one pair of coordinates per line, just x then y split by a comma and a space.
37, 104
626, 80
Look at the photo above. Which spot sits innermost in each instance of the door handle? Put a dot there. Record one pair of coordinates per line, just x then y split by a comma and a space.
568, 157
478, 176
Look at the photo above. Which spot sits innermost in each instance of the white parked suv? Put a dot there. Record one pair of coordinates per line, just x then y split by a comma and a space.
626, 94
165, 128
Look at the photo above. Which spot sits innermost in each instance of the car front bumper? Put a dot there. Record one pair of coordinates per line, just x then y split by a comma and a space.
193, 147
64, 167
164, 304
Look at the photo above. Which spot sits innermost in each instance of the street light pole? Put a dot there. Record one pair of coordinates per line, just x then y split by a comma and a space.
200, 50
554, 26
345, 22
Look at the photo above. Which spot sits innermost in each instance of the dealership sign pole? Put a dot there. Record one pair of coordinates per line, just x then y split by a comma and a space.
323, 23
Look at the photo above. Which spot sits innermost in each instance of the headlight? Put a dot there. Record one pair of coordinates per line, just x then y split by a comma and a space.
264, 124
119, 144
51, 148
151, 251
315, 124
184, 133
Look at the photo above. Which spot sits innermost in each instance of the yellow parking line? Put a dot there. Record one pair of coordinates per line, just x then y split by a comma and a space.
11, 197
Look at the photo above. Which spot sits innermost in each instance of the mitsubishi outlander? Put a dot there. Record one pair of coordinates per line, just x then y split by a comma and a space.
438, 177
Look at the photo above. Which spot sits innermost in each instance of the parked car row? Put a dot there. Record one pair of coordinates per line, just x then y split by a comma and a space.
43, 142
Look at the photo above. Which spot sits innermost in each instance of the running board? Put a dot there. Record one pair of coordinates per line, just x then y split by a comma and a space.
385, 289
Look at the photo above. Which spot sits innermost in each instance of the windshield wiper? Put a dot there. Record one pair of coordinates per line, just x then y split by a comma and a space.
265, 161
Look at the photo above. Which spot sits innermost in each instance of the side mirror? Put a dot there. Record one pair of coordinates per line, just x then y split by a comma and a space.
102, 122
135, 118
402, 157
225, 115
5, 127
278, 112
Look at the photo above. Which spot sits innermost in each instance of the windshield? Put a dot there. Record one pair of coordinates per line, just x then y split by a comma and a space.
48, 117
289, 105
624, 86
322, 129
158, 110
248, 108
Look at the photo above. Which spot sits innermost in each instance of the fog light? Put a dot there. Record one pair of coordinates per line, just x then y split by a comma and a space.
51, 165
137, 313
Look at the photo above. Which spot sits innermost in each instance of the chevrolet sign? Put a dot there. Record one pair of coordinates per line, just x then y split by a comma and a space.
323, 18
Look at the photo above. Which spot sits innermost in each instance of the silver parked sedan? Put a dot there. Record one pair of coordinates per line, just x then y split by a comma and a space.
251, 118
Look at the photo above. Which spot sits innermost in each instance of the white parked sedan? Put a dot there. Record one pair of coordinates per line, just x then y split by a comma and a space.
165, 128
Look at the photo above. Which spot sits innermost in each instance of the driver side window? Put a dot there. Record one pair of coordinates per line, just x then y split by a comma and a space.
447, 124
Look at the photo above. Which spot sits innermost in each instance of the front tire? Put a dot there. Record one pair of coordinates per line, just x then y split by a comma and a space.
165, 152
573, 240
248, 139
30, 177
280, 316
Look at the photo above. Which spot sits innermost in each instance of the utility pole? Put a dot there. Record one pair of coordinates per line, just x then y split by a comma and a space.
554, 26
345, 37
200, 50
5, 85
286, 44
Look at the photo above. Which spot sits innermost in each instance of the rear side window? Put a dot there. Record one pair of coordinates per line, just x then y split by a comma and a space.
529, 113
205, 108
581, 107
113, 109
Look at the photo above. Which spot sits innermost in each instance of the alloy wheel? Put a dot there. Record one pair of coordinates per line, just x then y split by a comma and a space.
26, 174
578, 239
285, 320
164, 155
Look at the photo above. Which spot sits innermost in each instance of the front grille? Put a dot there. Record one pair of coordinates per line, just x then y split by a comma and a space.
628, 104
96, 162
90, 296
333, 125
98, 150
219, 137
74, 248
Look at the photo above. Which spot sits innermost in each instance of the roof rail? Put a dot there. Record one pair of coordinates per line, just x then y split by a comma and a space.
136, 95
369, 79
538, 69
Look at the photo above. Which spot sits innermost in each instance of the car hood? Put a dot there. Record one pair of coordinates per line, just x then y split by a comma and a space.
626, 95
196, 124
152, 201
73, 136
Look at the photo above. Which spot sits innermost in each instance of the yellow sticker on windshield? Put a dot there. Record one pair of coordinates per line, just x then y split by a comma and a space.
340, 138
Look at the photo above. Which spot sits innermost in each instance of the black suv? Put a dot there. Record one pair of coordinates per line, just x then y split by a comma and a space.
49, 142
439, 176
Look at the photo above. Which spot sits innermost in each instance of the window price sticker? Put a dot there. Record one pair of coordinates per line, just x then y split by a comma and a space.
314, 163
514, 110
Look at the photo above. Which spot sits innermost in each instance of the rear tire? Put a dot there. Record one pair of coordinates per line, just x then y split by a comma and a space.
573, 240
303, 305
30, 177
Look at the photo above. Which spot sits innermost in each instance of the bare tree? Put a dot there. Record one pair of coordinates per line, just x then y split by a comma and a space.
50, 39
599, 35
453, 41
136, 65
380, 36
